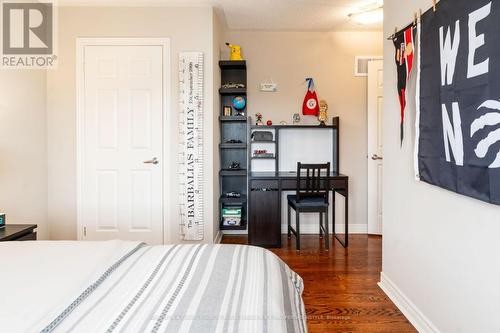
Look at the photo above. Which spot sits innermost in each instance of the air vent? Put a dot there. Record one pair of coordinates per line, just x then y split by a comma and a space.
361, 64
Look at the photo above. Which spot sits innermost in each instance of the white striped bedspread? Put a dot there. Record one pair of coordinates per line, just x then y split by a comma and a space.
119, 286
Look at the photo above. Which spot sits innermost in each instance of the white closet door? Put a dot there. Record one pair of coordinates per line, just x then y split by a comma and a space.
122, 178
375, 145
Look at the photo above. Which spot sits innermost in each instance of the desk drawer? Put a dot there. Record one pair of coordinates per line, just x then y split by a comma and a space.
264, 184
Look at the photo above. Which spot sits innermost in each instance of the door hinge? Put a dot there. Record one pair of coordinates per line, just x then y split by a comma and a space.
84, 232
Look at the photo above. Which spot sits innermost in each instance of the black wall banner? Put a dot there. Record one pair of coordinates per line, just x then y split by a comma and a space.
458, 98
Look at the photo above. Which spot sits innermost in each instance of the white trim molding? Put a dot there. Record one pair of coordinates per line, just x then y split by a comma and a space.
406, 306
218, 237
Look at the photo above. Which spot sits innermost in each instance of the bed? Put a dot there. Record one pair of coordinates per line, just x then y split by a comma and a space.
121, 286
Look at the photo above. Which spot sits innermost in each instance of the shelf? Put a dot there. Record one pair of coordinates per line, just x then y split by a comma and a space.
234, 201
232, 64
227, 172
264, 141
293, 126
233, 91
233, 146
263, 158
242, 226
334, 125
233, 118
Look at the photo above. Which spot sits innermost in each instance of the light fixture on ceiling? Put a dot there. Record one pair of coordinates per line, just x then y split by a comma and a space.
370, 14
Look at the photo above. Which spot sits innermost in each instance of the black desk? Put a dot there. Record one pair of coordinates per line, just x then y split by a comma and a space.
264, 204
18, 232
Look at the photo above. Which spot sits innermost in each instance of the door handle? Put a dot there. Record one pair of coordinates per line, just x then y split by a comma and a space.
375, 157
153, 161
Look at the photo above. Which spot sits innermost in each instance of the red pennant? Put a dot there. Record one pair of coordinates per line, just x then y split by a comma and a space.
310, 106
405, 47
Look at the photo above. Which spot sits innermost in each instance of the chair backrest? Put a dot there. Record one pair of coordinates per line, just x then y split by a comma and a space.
309, 182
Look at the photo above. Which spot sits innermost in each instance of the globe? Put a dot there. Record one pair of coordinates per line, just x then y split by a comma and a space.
239, 102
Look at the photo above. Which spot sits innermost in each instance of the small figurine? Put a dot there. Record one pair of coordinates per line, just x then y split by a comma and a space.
323, 114
296, 118
232, 194
283, 123
231, 85
269, 123
235, 52
234, 141
259, 119
234, 166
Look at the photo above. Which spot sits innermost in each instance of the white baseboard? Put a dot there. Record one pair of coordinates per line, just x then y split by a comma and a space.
406, 306
218, 237
310, 229
313, 229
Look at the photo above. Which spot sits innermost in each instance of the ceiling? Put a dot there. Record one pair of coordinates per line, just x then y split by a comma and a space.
274, 15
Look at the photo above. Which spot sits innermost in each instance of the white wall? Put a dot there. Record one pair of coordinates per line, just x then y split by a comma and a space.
288, 58
190, 29
23, 148
440, 249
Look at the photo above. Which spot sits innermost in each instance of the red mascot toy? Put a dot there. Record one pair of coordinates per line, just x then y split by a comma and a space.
310, 107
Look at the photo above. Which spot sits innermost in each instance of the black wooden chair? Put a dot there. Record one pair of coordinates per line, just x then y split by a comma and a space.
312, 196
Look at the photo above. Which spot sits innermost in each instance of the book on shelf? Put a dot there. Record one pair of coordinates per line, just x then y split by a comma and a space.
231, 216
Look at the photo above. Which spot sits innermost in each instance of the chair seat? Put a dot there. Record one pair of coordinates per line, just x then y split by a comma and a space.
306, 202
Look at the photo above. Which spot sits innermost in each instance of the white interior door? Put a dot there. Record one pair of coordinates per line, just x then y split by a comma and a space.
375, 145
122, 134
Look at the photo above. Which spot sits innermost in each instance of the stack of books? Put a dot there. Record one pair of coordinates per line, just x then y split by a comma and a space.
231, 216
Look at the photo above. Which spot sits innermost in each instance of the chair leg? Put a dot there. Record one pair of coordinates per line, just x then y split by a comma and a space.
327, 238
297, 228
320, 225
288, 222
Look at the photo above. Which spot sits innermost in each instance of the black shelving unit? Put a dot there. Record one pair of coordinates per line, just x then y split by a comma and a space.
233, 128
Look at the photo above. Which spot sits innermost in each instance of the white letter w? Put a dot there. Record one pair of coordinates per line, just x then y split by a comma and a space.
449, 53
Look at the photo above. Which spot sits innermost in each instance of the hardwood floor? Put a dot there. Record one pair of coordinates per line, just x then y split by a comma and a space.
341, 292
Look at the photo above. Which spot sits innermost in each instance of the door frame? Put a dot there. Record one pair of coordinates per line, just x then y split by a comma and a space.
81, 43
369, 162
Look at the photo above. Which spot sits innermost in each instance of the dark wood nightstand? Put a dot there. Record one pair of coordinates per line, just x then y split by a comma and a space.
18, 232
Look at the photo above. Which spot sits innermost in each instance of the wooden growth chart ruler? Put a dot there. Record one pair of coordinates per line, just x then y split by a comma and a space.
191, 145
